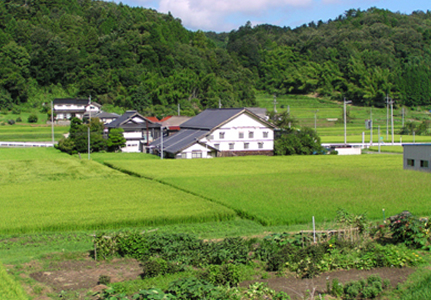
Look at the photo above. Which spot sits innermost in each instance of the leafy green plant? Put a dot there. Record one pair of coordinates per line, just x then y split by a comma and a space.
32, 118
410, 230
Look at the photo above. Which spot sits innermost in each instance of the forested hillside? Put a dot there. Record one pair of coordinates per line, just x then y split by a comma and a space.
362, 55
130, 57
137, 58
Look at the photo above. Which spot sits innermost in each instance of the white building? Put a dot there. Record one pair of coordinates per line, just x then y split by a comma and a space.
138, 130
220, 132
65, 109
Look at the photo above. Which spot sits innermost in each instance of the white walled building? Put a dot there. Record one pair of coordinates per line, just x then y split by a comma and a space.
138, 130
65, 109
220, 132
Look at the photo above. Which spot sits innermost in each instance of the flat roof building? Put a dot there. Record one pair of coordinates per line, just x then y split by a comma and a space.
417, 157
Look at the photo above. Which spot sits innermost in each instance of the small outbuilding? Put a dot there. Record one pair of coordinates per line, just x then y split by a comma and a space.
417, 157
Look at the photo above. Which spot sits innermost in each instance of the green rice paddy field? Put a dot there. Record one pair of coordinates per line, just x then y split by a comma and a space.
290, 190
51, 191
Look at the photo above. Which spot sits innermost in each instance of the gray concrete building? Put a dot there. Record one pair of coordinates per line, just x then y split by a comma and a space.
417, 157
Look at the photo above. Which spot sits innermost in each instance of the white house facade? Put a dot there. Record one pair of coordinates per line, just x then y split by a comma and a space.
65, 109
139, 132
220, 132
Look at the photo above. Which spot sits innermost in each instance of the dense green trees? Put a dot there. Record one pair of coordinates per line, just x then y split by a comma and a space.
77, 141
362, 55
139, 59
130, 57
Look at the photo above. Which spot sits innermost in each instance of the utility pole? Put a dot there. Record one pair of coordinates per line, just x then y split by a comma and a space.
89, 125
379, 138
390, 101
161, 143
52, 123
345, 119
179, 109
387, 116
275, 103
219, 103
371, 126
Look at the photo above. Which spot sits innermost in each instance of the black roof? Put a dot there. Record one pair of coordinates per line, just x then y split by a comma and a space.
210, 118
179, 141
128, 115
70, 101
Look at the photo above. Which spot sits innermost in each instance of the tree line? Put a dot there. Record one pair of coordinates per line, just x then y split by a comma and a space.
137, 58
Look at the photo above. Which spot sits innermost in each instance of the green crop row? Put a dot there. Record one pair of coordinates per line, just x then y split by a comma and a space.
99, 204
27, 133
9, 288
290, 190
65, 193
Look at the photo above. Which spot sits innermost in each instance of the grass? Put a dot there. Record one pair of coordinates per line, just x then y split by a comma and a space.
390, 149
418, 286
304, 108
60, 194
290, 190
9, 288
30, 133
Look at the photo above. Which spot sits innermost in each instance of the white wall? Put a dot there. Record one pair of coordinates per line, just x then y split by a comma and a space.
245, 124
197, 148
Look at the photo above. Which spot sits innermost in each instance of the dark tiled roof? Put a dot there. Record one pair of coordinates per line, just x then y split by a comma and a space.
103, 114
179, 141
120, 121
70, 101
210, 118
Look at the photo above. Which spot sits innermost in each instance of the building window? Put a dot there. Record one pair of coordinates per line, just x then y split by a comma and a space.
424, 164
196, 154
241, 135
250, 134
184, 155
217, 146
221, 135
265, 134
411, 162
231, 146
246, 145
211, 137
260, 145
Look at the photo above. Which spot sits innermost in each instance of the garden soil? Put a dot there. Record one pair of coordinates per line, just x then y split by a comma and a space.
81, 277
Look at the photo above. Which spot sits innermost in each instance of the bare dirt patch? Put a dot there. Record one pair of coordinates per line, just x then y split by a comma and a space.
296, 288
77, 275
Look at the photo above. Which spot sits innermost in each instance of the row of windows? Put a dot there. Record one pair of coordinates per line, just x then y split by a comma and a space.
423, 163
241, 135
245, 146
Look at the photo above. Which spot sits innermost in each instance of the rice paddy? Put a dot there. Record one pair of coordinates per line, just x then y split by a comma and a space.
58, 194
9, 288
290, 190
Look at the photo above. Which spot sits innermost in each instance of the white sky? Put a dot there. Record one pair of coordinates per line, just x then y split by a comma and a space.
226, 15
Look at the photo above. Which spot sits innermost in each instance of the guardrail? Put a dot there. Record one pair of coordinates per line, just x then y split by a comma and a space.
26, 144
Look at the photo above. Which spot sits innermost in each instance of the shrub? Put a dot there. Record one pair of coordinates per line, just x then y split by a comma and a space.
155, 266
227, 274
18, 119
10, 122
104, 279
195, 289
409, 230
16, 110
32, 118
